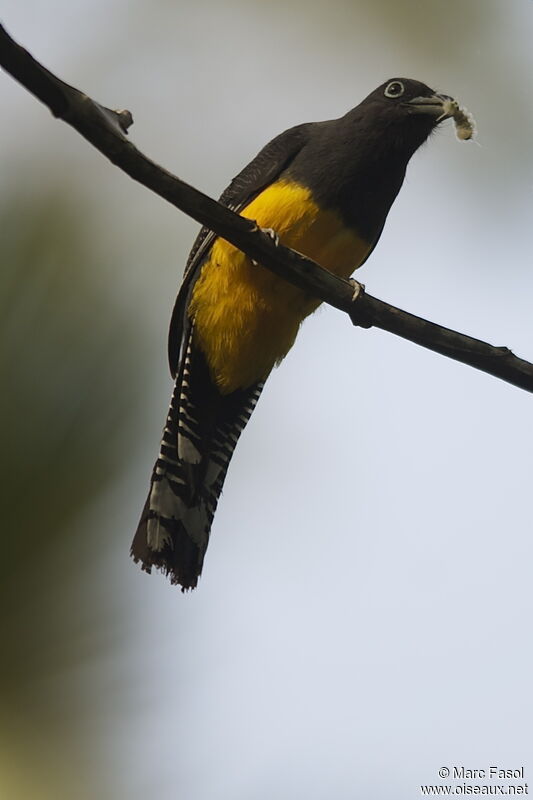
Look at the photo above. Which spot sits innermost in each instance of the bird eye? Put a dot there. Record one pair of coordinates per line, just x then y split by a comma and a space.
394, 89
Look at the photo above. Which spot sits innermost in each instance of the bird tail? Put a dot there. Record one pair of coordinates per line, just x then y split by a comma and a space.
200, 435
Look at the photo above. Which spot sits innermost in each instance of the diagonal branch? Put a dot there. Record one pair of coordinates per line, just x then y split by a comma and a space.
107, 131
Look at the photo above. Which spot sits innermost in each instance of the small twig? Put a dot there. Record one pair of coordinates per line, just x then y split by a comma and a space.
106, 130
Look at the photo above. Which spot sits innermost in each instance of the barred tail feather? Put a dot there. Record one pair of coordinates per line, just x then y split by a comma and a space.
199, 438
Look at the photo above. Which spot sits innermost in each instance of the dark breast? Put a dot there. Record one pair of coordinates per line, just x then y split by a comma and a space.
354, 166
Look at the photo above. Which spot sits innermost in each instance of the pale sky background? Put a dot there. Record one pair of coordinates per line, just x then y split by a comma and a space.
364, 616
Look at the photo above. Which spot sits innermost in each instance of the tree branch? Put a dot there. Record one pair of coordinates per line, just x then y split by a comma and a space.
107, 131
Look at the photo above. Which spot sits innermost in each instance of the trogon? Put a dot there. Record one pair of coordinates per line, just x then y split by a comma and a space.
325, 188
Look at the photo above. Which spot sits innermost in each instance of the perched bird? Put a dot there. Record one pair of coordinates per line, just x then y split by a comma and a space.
325, 188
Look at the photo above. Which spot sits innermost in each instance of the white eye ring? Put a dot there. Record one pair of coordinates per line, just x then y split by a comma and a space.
394, 89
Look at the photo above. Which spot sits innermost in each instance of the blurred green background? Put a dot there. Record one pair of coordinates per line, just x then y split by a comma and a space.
365, 610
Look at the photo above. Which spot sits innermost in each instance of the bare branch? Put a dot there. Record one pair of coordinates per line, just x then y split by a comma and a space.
106, 130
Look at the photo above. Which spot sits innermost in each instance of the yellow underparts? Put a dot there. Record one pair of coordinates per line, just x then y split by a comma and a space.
246, 318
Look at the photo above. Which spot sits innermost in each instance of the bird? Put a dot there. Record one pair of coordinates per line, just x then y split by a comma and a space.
324, 189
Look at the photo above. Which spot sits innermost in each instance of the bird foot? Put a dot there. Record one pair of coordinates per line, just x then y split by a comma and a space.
356, 316
271, 233
358, 289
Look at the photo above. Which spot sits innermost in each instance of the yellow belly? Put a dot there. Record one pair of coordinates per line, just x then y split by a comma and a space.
246, 318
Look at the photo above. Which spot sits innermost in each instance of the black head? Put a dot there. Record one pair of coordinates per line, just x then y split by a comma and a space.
398, 116
404, 98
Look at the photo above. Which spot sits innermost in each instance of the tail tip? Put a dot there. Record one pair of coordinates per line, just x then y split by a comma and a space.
175, 554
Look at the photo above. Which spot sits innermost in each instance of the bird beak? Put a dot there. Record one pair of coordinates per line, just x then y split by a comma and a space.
441, 106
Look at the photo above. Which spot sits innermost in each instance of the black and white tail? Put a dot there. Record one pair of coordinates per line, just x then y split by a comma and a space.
199, 438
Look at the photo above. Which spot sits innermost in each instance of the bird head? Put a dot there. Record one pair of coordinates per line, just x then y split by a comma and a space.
409, 111
404, 97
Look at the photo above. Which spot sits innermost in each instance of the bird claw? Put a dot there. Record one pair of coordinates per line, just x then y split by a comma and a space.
271, 233
358, 317
358, 289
